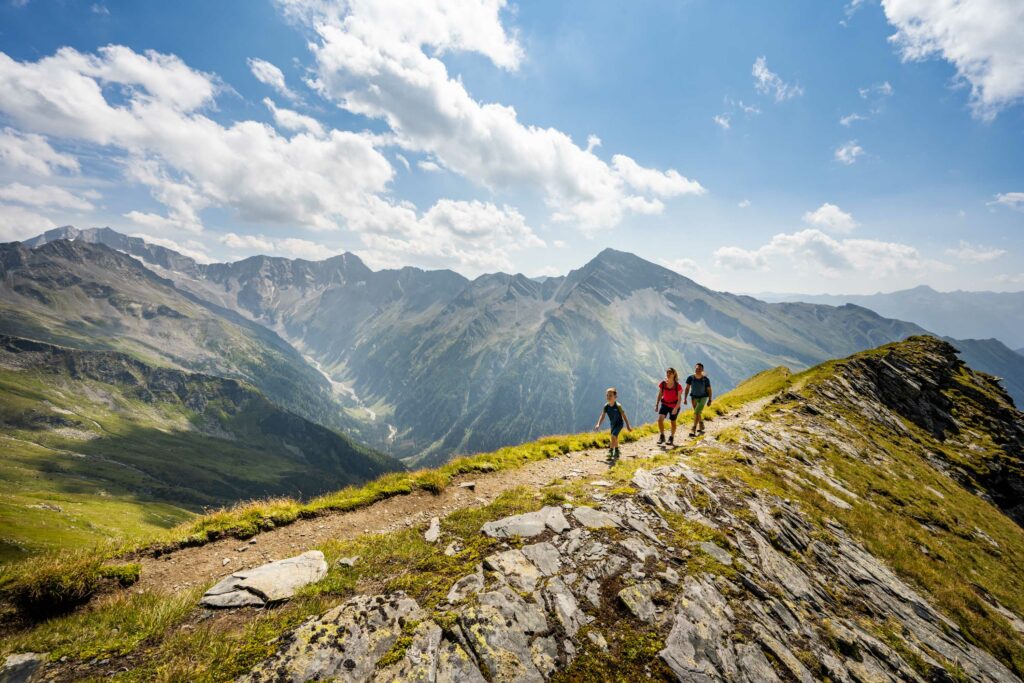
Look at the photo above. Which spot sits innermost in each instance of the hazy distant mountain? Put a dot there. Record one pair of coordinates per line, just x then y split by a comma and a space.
964, 315
430, 363
116, 446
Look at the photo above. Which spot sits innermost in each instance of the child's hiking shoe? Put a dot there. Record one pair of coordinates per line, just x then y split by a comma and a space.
701, 430
661, 439
693, 433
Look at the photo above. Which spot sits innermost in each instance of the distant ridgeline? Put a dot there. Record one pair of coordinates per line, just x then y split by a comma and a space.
98, 444
501, 358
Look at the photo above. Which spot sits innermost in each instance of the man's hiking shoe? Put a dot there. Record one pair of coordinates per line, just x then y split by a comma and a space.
671, 440
700, 431
661, 439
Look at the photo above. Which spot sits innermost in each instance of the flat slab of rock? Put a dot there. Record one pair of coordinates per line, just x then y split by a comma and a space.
717, 552
528, 524
545, 556
595, 519
639, 599
26, 667
434, 532
270, 583
516, 567
345, 643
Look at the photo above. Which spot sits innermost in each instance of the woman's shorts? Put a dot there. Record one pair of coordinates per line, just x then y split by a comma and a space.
672, 412
698, 405
617, 427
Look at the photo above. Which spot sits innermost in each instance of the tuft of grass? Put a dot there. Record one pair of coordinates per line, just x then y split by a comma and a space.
53, 584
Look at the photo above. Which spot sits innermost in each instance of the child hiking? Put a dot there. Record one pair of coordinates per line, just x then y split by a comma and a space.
698, 388
668, 403
616, 419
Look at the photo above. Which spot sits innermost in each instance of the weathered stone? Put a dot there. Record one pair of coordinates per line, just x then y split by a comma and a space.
433, 531
545, 655
595, 519
343, 644
528, 616
515, 566
562, 603
454, 665
27, 667
641, 526
467, 586
269, 583
528, 524
670, 575
419, 665
639, 549
638, 599
348, 561
545, 556
597, 639
716, 552
694, 648
500, 644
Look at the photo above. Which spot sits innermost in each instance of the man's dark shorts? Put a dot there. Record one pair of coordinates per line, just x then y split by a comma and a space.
670, 412
617, 427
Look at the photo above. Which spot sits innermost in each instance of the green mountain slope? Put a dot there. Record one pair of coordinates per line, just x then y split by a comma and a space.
97, 445
90, 296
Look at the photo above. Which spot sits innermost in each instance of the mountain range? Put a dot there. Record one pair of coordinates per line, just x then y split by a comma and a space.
425, 364
958, 314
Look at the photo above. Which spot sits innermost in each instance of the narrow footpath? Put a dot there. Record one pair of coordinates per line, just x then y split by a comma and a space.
203, 565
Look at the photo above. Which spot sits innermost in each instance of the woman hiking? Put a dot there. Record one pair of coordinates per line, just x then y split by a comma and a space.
698, 389
669, 400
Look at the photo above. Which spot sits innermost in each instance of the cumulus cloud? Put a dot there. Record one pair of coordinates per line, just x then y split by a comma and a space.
44, 196
830, 218
194, 249
18, 223
293, 120
848, 152
768, 82
975, 253
722, 120
269, 74
381, 59
744, 203
814, 251
32, 153
289, 247
982, 39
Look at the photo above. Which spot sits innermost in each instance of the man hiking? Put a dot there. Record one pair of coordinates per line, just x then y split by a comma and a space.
698, 388
668, 403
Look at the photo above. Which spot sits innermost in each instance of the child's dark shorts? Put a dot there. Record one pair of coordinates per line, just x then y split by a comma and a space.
617, 427
669, 411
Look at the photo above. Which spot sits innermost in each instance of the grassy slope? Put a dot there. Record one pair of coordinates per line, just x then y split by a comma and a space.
902, 491
86, 461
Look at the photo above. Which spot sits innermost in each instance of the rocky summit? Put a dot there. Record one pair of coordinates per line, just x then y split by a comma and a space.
731, 578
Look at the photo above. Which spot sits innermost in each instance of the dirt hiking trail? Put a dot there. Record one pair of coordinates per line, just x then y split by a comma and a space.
203, 565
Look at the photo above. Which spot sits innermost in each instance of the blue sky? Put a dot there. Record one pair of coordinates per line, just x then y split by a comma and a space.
799, 147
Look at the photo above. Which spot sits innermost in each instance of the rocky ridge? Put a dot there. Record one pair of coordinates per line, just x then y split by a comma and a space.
732, 581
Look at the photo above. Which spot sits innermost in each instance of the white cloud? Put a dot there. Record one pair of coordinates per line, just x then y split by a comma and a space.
403, 161
98, 8
683, 266
769, 83
269, 74
848, 152
975, 253
32, 153
194, 249
815, 252
289, 247
18, 223
982, 39
722, 120
558, 244
881, 90
293, 120
429, 166
744, 203
381, 59
850, 118
1013, 200
44, 196
1010, 279
830, 218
